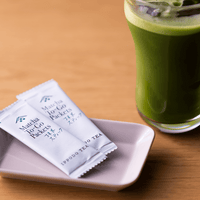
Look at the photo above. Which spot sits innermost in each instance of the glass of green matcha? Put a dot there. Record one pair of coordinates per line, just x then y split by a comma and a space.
166, 35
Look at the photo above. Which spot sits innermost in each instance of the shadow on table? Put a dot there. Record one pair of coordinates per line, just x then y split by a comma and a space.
190, 139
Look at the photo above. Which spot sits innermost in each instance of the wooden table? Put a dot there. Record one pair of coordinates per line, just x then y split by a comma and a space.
87, 48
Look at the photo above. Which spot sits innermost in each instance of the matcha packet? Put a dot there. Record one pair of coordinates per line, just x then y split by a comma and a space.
65, 151
50, 100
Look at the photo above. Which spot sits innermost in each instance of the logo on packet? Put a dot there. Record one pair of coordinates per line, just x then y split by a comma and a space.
20, 118
45, 99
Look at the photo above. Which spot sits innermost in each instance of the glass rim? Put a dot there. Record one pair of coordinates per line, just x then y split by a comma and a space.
170, 8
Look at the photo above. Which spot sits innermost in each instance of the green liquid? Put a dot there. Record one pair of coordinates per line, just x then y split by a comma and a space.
168, 73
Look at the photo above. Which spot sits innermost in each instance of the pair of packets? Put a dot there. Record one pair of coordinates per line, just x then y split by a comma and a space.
47, 120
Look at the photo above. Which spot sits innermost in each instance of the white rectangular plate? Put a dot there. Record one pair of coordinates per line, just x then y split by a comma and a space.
121, 169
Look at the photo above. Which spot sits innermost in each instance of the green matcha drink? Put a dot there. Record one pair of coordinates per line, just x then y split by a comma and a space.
167, 43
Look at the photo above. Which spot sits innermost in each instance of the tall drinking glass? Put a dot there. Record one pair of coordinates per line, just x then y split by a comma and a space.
166, 35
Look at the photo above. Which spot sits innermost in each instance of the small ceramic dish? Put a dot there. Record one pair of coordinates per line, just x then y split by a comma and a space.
121, 169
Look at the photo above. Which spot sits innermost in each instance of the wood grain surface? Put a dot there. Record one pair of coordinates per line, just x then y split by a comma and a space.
87, 48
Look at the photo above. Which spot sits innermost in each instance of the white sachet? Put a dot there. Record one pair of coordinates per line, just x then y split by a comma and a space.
58, 146
49, 99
